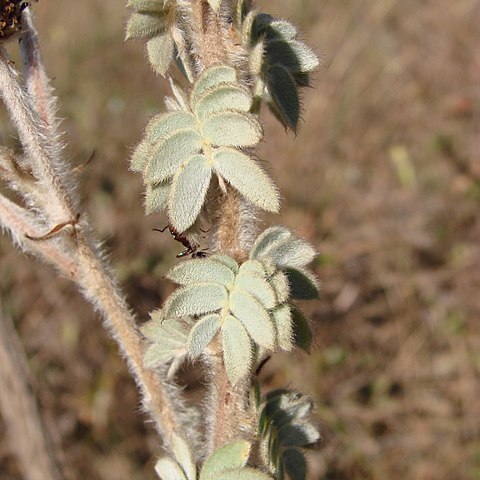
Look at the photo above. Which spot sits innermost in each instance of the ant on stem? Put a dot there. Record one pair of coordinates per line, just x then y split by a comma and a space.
182, 238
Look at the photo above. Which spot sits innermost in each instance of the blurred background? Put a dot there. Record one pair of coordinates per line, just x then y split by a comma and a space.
383, 178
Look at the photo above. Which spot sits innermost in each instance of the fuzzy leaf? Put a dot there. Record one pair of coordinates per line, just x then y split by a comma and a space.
187, 195
226, 96
160, 52
155, 6
227, 261
252, 268
215, 4
197, 299
157, 331
168, 469
282, 319
232, 129
243, 6
298, 435
141, 25
241, 474
303, 285
292, 253
211, 77
184, 457
140, 156
256, 60
294, 55
230, 456
237, 349
165, 124
279, 283
259, 288
247, 177
202, 270
156, 197
301, 330
267, 240
170, 153
159, 354
284, 95
254, 318
202, 334
295, 464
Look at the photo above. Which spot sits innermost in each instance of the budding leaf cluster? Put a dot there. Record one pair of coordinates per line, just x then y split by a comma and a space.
247, 303
205, 138
226, 463
280, 62
285, 428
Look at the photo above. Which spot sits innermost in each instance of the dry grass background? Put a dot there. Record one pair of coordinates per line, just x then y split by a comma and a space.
384, 178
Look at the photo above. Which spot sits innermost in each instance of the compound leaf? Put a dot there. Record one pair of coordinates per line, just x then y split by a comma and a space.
211, 77
267, 240
184, 457
232, 129
165, 124
196, 299
169, 154
156, 197
141, 25
226, 96
282, 319
254, 318
187, 195
160, 52
202, 334
230, 456
202, 270
247, 177
227, 261
284, 95
168, 469
259, 288
237, 349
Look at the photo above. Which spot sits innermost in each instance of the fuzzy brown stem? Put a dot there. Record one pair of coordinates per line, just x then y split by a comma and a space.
27, 434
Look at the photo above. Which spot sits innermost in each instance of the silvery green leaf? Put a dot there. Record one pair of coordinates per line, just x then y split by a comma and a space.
168, 469
267, 240
156, 197
256, 59
243, 7
202, 334
279, 28
247, 177
157, 331
164, 124
170, 153
230, 456
159, 354
259, 288
184, 457
254, 317
284, 95
181, 98
155, 6
298, 435
211, 77
292, 253
196, 299
252, 268
242, 474
202, 270
187, 195
295, 464
303, 284
237, 349
141, 25
160, 52
226, 96
141, 155
226, 260
232, 129
294, 55
282, 319
248, 39
301, 330
174, 367
279, 283
215, 4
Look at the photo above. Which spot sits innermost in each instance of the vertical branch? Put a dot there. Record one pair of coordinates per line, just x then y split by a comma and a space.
27, 434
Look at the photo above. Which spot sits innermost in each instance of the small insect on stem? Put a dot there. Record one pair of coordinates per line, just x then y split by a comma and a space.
182, 238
